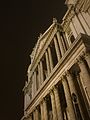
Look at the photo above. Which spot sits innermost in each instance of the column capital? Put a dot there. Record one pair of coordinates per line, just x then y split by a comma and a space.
45, 98
37, 107
85, 53
55, 87
34, 109
41, 102
68, 73
51, 91
63, 76
80, 59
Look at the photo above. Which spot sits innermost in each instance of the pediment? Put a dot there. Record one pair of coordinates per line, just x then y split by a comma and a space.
40, 43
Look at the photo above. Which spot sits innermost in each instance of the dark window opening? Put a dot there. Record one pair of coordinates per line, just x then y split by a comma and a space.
37, 84
44, 67
54, 55
39, 112
30, 93
62, 101
88, 69
49, 106
32, 116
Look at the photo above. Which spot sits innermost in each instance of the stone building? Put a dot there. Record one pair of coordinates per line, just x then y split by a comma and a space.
58, 86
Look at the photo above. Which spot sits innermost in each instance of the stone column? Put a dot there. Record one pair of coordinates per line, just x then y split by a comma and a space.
50, 58
72, 88
73, 29
47, 62
53, 106
35, 81
39, 77
45, 109
85, 77
41, 72
30, 118
42, 110
58, 105
34, 115
65, 40
37, 114
32, 85
70, 108
70, 82
57, 48
60, 43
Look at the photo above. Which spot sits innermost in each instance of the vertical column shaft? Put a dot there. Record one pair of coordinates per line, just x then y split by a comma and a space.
41, 72
32, 85
42, 110
60, 43
57, 48
39, 77
35, 81
34, 115
53, 106
85, 77
65, 39
50, 58
37, 114
30, 117
58, 105
71, 83
47, 62
68, 100
45, 110
72, 88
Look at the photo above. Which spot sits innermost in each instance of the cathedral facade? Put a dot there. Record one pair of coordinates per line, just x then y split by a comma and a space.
58, 86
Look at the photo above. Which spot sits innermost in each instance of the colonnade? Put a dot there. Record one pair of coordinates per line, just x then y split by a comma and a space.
46, 64
67, 80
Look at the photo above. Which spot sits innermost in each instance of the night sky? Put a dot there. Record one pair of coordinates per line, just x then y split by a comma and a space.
21, 22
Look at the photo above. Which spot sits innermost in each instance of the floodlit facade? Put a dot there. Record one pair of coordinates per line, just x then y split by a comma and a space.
58, 86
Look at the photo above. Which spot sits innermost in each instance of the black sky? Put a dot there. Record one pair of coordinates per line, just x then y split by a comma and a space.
21, 22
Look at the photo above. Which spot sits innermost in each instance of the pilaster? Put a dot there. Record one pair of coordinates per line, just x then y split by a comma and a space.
58, 105
53, 105
60, 43
70, 108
